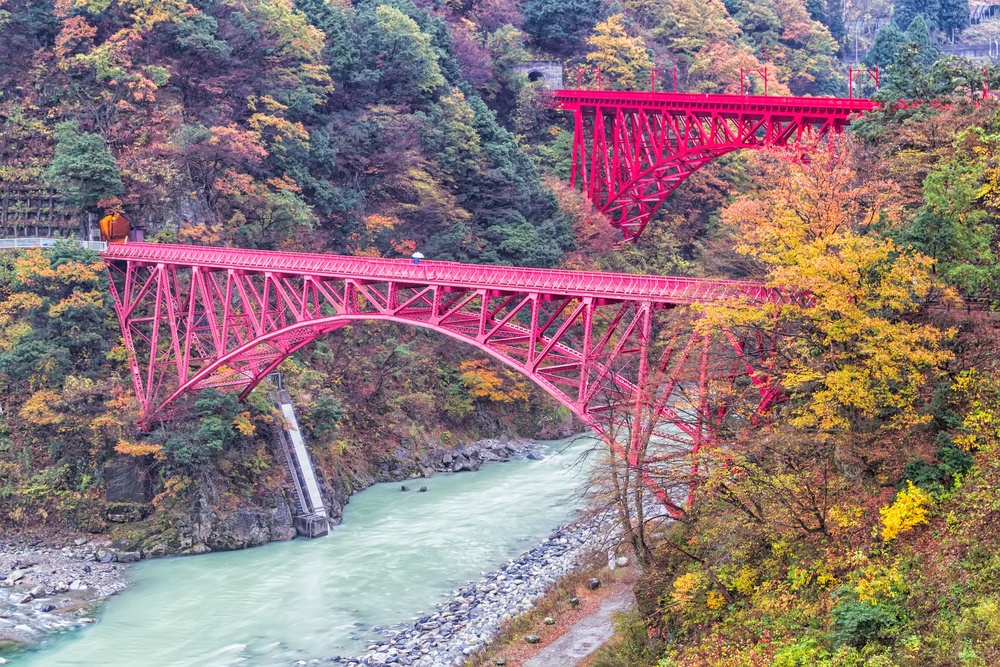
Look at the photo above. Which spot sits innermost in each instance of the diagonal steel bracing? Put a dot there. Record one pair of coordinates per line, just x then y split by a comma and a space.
198, 317
632, 149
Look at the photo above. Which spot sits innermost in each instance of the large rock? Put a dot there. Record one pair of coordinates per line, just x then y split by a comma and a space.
127, 481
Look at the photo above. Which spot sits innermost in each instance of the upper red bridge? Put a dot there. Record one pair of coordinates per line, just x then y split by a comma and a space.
632, 149
194, 317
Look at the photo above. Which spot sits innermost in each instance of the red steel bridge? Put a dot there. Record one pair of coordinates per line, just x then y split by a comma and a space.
601, 344
614, 349
632, 149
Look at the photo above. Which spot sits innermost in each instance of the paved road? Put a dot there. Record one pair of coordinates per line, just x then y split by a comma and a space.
585, 636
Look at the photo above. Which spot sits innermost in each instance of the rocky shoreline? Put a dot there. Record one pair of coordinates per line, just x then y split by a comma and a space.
471, 618
52, 583
52, 586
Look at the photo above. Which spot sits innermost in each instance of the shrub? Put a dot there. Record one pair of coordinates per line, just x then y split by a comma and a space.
906, 512
857, 623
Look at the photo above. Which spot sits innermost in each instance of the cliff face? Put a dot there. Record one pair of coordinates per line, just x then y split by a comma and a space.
207, 520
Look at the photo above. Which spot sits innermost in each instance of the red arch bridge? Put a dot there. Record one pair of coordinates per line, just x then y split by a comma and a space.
604, 345
632, 149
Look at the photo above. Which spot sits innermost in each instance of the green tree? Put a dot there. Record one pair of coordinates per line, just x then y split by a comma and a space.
953, 225
953, 16
558, 25
904, 11
919, 35
405, 52
379, 52
82, 168
834, 19
885, 47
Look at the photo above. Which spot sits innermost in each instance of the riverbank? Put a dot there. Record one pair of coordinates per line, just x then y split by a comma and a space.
475, 614
51, 583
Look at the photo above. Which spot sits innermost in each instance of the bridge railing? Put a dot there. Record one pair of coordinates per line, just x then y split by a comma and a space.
48, 242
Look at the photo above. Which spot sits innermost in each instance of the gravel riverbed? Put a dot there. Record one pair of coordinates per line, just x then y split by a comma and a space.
54, 586
464, 624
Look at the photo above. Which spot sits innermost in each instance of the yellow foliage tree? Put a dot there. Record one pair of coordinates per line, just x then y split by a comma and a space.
38, 409
140, 449
687, 587
624, 60
908, 511
243, 424
980, 393
851, 349
482, 381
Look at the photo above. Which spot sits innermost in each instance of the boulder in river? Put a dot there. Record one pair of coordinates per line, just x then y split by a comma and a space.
423, 489
404, 488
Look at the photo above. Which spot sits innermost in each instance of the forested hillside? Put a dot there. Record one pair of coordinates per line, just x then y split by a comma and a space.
851, 526
375, 129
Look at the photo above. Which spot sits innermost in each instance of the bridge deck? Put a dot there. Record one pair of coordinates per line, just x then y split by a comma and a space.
573, 100
668, 290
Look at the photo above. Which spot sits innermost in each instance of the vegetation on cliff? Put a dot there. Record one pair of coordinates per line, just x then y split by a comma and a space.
850, 527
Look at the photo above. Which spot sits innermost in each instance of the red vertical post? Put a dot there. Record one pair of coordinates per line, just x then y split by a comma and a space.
850, 83
675, 78
579, 77
579, 152
765, 80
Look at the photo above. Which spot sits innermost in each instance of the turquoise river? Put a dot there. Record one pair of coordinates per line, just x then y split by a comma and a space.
394, 557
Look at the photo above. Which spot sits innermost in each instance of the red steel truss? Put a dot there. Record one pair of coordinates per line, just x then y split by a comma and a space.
632, 149
195, 317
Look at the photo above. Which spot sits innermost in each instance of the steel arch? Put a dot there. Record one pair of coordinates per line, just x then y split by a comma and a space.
198, 317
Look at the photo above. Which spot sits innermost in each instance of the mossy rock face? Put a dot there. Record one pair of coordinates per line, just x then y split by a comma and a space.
86, 515
93, 524
127, 512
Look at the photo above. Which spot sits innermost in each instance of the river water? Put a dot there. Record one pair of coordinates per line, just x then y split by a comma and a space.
394, 557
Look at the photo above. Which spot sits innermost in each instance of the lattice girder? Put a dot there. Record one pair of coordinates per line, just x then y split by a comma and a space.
197, 317
631, 150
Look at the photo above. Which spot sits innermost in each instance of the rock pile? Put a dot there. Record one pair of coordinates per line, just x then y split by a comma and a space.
46, 589
471, 456
464, 624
